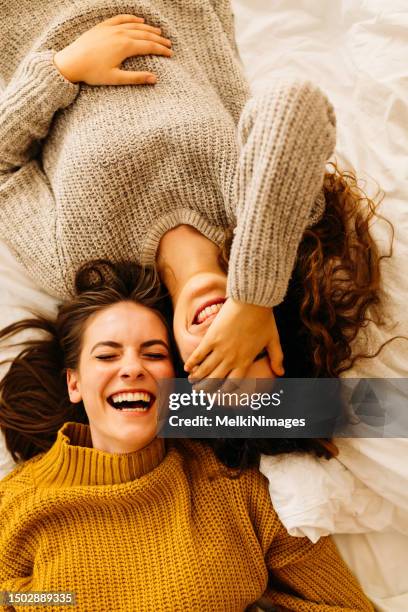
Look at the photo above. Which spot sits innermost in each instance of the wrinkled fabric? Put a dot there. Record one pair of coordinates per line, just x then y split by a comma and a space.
355, 50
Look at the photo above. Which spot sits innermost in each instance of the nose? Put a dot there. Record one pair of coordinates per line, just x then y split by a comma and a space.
132, 369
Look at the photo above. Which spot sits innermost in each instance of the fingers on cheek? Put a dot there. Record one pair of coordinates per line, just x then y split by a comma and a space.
197, 376
203, 370
191, 362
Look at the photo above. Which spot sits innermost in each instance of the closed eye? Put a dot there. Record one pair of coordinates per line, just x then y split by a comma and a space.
105, 357
155, 355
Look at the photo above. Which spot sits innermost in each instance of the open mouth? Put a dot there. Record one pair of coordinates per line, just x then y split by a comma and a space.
209, 309
131, 401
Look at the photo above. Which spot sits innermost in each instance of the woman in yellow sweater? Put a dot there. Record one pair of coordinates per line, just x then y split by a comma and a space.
112, 514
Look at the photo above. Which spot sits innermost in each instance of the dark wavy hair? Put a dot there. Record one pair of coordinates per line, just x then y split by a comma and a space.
34, 401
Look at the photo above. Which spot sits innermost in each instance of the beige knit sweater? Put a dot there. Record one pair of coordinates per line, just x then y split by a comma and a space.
91, 172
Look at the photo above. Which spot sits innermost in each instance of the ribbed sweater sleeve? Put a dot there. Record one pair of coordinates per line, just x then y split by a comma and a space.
286, 136
308, 577
27, 107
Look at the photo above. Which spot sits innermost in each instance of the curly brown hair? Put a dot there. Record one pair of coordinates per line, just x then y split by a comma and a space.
338, 265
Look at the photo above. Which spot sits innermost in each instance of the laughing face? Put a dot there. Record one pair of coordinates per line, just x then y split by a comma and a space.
196, 307
125, 352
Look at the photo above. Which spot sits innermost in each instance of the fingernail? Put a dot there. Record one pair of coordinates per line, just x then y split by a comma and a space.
151, 79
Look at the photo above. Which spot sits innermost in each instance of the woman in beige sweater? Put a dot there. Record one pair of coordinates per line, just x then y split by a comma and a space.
99, 161
112, 518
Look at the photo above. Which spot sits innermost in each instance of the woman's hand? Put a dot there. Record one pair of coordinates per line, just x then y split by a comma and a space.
237, 335
95, 57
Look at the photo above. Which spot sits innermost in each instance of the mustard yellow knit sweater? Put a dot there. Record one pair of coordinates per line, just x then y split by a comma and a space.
157, 530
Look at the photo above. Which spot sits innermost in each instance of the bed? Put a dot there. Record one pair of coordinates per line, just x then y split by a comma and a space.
356, 51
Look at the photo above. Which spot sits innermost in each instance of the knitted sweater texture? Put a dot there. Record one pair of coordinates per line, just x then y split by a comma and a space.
91, 172
157, 530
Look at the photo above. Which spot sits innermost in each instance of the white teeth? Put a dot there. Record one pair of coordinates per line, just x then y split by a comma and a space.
134, 409
139, 396
208, 311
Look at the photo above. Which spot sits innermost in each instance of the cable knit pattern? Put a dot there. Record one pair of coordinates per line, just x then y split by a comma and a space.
157, 531
91, 172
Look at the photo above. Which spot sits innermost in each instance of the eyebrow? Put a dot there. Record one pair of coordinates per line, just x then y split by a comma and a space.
117, 345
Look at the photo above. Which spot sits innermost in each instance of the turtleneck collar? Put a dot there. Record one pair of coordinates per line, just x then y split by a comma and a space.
72, 461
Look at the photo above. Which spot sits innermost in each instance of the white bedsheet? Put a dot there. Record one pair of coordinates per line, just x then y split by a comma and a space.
355, 50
